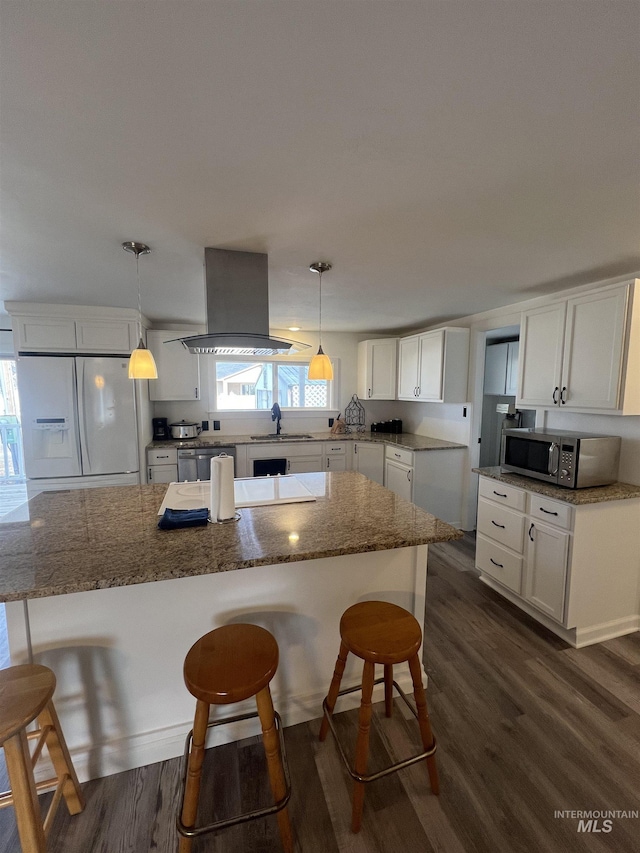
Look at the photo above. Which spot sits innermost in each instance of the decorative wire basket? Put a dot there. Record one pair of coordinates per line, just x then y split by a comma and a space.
354, 415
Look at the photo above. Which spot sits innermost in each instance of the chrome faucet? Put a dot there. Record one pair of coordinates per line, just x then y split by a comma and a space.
276, 414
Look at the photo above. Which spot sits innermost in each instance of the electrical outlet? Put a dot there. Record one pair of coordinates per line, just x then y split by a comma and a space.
216, 424
330, 422
205, 426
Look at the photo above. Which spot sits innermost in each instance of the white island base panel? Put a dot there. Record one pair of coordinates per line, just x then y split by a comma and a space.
118, 653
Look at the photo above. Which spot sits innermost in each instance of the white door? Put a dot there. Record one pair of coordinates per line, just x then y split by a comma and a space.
592, 360
431, 366
541, 341
106, 415
399, 478
547, 549
47, 389
495, 369
383, 367
369, 460
408, 366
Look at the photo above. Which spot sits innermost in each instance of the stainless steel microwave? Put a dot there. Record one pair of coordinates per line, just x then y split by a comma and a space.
575, 460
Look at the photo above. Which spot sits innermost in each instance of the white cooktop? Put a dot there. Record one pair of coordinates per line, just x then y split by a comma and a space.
249, 491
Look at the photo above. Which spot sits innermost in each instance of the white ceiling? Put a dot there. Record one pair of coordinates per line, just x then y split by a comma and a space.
447, 157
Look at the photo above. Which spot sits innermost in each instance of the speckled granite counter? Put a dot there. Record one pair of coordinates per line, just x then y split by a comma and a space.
88, 539
576, 497
408, 440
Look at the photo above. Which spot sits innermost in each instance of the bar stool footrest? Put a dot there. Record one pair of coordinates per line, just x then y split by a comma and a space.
399, 765
194, 832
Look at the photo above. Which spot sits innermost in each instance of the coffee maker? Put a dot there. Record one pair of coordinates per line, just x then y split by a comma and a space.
160, 429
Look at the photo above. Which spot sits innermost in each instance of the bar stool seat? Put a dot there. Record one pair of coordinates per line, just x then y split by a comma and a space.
379, 632
227, 665
26, 695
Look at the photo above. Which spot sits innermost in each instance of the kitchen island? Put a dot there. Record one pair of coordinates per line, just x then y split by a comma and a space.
112, 604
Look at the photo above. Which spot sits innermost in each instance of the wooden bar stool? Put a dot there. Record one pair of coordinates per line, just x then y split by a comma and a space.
25, 695
386, 634
229, 665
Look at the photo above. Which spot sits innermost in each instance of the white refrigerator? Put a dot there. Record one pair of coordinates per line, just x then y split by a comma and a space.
79, 422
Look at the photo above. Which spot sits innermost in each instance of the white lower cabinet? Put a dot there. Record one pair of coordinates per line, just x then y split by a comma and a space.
162, 465
572, 567
398, 472
545, 578
368, 459
337, 455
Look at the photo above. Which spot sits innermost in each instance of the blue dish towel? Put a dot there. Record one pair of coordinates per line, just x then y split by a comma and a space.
174, 518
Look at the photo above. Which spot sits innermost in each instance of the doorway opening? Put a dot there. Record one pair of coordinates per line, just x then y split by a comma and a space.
13, 490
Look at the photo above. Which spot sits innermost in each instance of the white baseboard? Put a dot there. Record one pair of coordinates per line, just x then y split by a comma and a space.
606, 631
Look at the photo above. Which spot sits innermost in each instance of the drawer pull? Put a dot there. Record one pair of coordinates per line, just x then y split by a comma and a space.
548, 511
499, 565
397, 455
162, 457
497, 525
530, 531
499, 494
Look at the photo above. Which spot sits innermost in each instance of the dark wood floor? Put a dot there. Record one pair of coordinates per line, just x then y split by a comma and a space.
526, 726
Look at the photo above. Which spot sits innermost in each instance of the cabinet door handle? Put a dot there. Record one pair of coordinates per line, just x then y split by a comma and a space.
563, 398
499, 565
418, 394
355, 448
554, 396
499, 494
150, 477
531, 530
548, 511
369, 392
328, 463
498, 525
409, 476
195, 393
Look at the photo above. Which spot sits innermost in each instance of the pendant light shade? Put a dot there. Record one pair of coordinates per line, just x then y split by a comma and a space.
320, 366
141, 363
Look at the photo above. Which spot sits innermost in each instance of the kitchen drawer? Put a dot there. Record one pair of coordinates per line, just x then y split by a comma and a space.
162, 473
501, 524
499, 563
398, 454
502, 493
162, 456
553, 512
335, 448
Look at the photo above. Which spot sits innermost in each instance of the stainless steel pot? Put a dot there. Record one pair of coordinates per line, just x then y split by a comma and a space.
185, 429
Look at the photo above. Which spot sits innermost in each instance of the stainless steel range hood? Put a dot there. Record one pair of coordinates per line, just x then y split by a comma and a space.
237, 293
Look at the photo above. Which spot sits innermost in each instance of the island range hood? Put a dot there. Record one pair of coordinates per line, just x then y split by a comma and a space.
237, 294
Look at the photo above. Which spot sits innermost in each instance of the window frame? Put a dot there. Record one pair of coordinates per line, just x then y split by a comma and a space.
284, 360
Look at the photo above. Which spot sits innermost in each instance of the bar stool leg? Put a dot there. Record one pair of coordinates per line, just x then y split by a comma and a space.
423, 720
194, 772
274, 764
362, 743
388, 689
61, 759
23, 789
334, 688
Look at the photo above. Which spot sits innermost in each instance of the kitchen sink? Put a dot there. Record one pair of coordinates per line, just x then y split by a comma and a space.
272, 436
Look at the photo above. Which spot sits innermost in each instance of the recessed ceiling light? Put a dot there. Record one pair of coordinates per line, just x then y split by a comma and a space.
294, 328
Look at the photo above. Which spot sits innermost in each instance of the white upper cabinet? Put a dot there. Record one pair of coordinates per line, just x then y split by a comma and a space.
44, 328
433, 366
377, 369
501, 369
583, 353
178, 369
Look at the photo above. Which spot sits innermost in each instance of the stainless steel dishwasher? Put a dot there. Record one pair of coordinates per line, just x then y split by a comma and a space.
195, 463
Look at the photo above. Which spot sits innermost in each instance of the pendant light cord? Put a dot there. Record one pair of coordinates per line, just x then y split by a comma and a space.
139, 296
320, 313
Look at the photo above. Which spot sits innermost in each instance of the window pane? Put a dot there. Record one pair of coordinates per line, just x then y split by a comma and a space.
244, 385
296, 390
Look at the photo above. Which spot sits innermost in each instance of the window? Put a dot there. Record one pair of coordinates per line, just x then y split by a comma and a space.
257, 385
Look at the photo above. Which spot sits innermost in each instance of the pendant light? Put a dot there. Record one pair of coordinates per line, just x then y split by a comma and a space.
320, 365
141, 364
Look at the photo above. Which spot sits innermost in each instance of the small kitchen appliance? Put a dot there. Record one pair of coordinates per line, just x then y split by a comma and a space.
575, 460
160, 429
185, 429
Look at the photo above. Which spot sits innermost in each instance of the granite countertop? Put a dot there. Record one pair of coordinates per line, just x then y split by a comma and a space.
407, 440
576, 497
86, 539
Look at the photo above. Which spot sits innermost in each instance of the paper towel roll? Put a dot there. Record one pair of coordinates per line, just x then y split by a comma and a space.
222, 504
